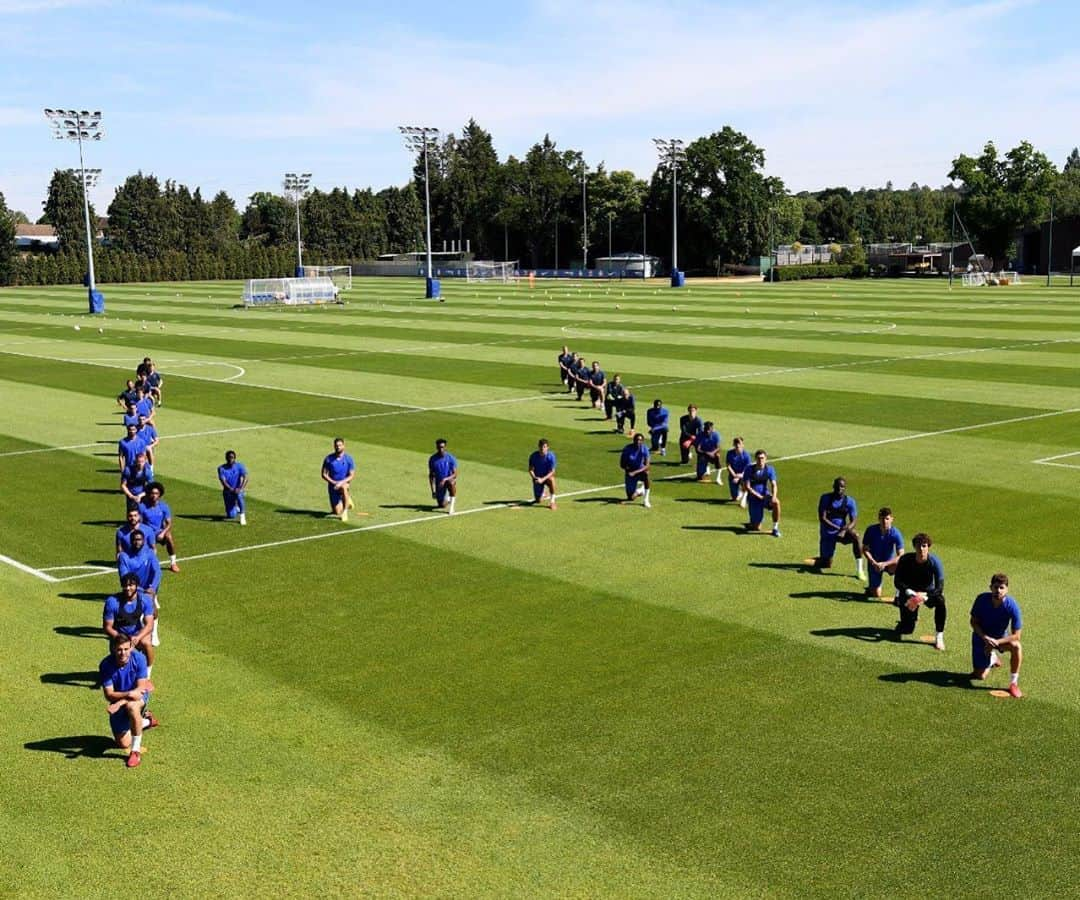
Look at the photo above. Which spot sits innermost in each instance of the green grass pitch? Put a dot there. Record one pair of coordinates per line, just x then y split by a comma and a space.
601, 700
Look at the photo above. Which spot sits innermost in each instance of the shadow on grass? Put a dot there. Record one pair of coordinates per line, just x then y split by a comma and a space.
871, 634
205, 517
711, 501
731, 529
107, 563
842, 596
111, 523
99, 490
417, 507
935, 677
92, 746
609, 501
79, 631
96, 597
784, 567
310, 513
71, 679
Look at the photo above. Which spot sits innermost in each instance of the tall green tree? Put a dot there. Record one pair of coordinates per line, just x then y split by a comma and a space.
269, 219
136, 217
544, 181
223, 221
404, 219
1001, 195
1067, 191
7, 242
64, 211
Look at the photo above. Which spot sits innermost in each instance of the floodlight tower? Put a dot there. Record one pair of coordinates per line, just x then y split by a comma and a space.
419, 139
82, 125
672, 152
296, 187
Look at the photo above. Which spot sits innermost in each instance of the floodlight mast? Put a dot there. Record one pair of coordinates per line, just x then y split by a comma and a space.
673, 151
418, 139
79, 125
296, 186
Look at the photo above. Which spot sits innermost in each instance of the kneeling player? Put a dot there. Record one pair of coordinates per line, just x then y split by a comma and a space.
338, 471
155, 512
707, 451
919, 579
635, 464
233, 476
995, 627
542, 472
126, 685
737, 461
657, 419
761, 493
442, 477
132, 614
837, 513
882, 545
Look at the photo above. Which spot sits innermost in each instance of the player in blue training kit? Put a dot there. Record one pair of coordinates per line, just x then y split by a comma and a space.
635, 464
707, 451
124, 532
147, 433
128, 448
140, 560
566, 359
125, 682
542, 472
761, 493
135, 479
145, 404
154, 383
597, 386
338, 471
613, 396
736, 462
128, 395
233, 476
442, 477
657, 418
919, 579
131, 613
995, 626
882, 546
155, 512
580, 371
131, 415
837, 515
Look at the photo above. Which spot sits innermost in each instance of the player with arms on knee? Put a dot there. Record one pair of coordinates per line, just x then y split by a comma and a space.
634, 462
657, 418
125, 682
614, 395
155, 512
995, 628
919, 580
338, 471
131, 613
690, 427
837, 515
707, 451
882, 546
542, 472
233, 476
762, 493
135, 479
736, 462
442, 477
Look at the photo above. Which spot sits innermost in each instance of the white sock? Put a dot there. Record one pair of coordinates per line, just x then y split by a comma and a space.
859, 567
243, 519
552, 499
647, 492
1014, 678
994, 661
939, 637
450, 508
145, 723
172, 559
136, 743
149, 671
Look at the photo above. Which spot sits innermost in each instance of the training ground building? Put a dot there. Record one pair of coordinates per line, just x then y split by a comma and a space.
1036, 244
886, 259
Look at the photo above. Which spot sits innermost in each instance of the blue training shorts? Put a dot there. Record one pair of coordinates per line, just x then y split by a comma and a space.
120, 721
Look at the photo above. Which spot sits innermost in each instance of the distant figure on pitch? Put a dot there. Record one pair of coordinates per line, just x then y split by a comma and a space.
144, 406
580, 371
542, 472
155, 512
128, 395
837, 514
690, 426
635, 465
626, 412
657, 419
128, 448
125, 682
338, 471
566, 358
233, 476
131, 613
597, 386
139, 561
762, 493
131, 414
707, 451
920, 579
614, 395
995, 627
442, 477
148, 435
155, 383
882, 546
736, 462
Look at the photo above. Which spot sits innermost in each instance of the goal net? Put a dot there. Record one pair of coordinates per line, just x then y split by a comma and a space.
340, 275
290, 291
990, 279
487, 270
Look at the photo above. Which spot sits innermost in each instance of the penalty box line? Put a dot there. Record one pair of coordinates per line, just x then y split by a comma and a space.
580, 493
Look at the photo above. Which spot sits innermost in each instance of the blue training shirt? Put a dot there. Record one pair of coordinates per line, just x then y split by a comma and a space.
123, 678
124, 533
137, 479
144, 565
759, 479
441, 466
541, 464
155, 515
338, 467
634, 457
129, 449
657, 418
708, 443
143, 604
836, 509
145, 407
996, 620
232, 475
883, 545
738, 460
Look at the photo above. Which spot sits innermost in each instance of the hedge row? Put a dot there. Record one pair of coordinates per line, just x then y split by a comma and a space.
118, 266
820, 270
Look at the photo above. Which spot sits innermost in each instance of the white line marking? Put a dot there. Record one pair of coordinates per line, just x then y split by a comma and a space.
81, 568
22, 567
1052, 460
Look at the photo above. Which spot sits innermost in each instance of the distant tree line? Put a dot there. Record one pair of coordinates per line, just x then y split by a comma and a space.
530, 209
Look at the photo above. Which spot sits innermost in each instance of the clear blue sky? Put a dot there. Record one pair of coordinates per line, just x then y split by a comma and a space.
230, 95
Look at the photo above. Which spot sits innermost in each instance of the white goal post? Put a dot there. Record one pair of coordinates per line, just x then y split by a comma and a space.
340, 275
990, 279
290, 291
489, 270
